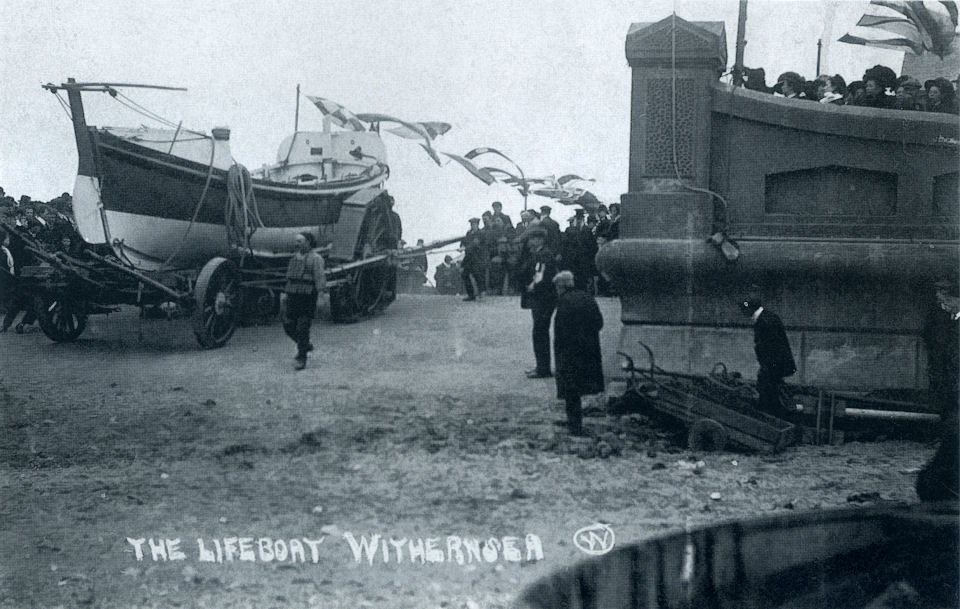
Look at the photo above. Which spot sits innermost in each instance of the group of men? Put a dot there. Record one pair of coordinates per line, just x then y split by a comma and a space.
576, 327
496, 253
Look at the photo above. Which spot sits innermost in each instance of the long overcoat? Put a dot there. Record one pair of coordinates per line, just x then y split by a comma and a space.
576, 345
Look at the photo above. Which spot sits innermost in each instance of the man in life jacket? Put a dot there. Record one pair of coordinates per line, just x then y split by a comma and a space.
306, 280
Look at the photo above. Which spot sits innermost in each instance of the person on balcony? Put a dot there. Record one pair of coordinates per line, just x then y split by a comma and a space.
907, 94
790, 85
940, 96
832, 90
876, 81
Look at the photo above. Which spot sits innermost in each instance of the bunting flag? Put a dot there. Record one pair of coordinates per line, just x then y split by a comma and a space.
433, 130
571, 196
481, 173
340, 116
570, 177
485, 150
915, 26
417, 128
432, 153
553, 193
494, 171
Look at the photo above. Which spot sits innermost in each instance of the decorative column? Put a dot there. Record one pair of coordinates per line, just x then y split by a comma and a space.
674, 64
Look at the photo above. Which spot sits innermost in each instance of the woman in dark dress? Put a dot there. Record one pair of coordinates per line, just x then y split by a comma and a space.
576, 345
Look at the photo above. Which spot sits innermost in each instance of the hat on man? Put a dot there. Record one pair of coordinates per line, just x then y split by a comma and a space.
474, 220
546, 209
497, 205
909, 83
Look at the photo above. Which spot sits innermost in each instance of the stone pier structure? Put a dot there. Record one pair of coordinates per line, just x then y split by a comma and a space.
839, 218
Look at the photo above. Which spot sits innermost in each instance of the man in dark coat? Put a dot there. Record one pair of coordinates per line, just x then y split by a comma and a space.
939, 480
498, 213
570, 243
553, 229
773, 353
576, 347
588, 249
540, 297
475, 259
613, 233
941, 339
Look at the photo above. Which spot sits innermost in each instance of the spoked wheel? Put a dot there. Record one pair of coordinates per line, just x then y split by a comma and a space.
61, 320
370, 289
218, 303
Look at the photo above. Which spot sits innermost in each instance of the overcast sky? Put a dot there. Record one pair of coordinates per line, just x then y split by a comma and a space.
545, 82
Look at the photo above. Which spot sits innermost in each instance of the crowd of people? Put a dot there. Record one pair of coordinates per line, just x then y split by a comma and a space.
496, 252
25, 219
879, 87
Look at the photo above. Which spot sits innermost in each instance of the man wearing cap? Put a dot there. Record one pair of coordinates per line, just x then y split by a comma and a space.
576, 347
540, 296
306, 280
473, 269
552, 228
498, 213
588, 249
570, 243
772, 348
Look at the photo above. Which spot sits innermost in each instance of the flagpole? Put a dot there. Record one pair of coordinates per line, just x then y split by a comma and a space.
296, 117
819, 49
741, 43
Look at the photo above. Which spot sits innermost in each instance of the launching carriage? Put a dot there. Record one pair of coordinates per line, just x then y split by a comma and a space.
168, 216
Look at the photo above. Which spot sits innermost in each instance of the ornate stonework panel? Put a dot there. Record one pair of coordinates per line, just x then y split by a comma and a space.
658, 149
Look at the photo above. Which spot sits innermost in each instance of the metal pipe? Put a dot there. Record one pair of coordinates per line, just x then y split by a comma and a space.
889, 415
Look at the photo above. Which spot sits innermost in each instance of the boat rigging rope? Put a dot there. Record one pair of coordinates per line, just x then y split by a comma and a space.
63, 104
240, 215
142, 110
196, 212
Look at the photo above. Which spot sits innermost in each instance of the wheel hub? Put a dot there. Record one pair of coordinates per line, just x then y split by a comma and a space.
222, 303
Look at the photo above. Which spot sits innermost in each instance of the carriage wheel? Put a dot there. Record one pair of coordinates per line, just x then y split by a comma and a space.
218, 303
707, 434
368, 290
62, 321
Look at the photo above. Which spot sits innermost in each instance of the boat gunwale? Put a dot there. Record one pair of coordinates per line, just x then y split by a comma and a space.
127, 148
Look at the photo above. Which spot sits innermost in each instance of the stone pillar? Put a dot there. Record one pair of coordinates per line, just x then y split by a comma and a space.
674, 64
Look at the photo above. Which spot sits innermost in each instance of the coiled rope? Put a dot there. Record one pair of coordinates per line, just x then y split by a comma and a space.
241, 218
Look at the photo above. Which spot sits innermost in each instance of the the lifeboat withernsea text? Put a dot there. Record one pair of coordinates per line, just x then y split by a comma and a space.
363, 549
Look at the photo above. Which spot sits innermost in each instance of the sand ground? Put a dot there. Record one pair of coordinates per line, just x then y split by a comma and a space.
418, 425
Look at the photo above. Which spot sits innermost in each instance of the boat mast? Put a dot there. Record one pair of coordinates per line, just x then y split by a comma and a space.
741, 43
296, 116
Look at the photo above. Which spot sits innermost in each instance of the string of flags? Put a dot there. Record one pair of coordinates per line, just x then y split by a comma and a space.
561, 189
